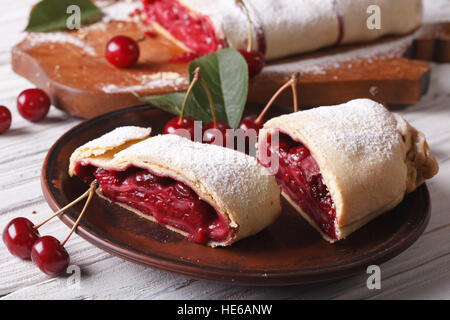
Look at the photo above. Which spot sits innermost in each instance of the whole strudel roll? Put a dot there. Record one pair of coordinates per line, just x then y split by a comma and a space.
210, 194
342, 166
282, 27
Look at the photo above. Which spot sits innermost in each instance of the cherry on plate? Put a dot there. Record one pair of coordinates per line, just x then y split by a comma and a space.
184, 128
248, 123
209, 135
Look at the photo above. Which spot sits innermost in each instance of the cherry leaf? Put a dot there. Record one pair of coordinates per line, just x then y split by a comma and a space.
52, 15
172, 102
226, 75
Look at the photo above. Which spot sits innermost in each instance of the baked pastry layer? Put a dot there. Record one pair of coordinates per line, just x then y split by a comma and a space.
368, 158
234, 184
286, 27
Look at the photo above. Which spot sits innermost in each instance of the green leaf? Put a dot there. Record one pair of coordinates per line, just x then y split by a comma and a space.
226, 74
172, 103
51, 15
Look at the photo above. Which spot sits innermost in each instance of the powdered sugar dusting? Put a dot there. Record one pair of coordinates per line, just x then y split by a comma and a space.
117, 137
150, 81
319, 65
361, 126
436, 11
119, 10
60, 37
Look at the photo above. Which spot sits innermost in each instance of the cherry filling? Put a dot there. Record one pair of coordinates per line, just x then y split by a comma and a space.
196, 32
299, 177
170, 202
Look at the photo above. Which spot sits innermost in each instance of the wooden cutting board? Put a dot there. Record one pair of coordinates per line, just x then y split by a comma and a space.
71, 67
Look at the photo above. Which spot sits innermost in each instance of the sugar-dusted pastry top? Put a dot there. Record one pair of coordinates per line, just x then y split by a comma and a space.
368, 157
102, 147
287, 27
235, 184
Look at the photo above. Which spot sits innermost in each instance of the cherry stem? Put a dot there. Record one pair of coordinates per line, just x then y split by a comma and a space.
295, 78
293, 83
210, 100
188, 92
84, 195
250, 26
90, 194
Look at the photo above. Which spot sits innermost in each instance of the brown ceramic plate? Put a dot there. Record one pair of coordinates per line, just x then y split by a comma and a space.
288, 252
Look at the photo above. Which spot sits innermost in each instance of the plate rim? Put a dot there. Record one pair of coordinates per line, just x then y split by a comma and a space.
224, 275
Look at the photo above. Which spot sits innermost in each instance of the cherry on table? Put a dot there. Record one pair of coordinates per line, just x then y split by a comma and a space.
49, 255
210, 135
255, 61
33, 104
183, 127
47, 252
5, 119
122, 51
19, 236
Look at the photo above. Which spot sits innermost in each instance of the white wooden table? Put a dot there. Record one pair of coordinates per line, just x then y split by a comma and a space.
421, 272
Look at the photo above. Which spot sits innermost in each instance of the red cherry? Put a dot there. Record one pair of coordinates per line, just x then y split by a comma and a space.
209, 136
255, 61
249, 123
184, 129
49, 255
33, 104
5, 119
246, 128
122, 51
19, 237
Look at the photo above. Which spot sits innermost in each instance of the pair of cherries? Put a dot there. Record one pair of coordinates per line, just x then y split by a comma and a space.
23, 240
187, 124
32, 104
184, 124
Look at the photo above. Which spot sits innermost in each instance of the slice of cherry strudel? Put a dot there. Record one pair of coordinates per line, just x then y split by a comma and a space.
210, 194
342, 166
